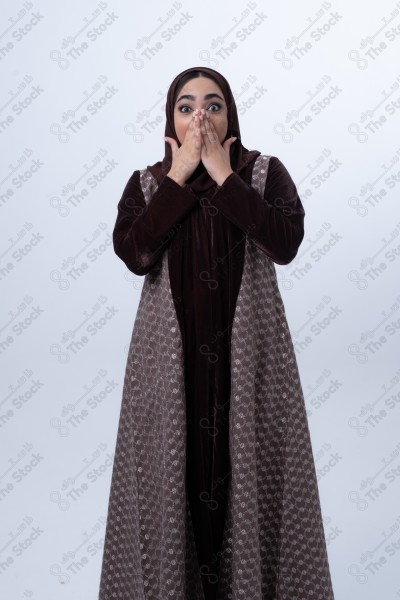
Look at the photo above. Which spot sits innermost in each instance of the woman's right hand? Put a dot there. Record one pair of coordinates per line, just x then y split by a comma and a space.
186, 158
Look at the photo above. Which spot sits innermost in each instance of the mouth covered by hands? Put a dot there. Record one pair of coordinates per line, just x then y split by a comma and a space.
201, 143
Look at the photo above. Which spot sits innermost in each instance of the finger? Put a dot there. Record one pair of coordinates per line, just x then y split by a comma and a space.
204, 136
228, 143
196, 134
192, 136
210, 131
192, 126
172, 143
204, 132
197, 125
191, 131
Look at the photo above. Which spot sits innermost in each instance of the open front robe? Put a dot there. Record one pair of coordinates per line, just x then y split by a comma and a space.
273, 545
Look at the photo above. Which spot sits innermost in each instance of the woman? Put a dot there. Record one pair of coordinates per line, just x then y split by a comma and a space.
214, 492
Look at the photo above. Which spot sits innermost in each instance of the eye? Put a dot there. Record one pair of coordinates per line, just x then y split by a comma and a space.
218, 106
182, 107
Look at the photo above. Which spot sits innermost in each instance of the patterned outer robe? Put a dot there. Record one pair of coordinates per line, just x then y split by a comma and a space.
273, 546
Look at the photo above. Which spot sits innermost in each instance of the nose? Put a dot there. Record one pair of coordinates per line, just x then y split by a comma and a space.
199, 112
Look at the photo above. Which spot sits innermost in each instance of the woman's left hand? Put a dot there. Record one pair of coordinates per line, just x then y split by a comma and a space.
214, 156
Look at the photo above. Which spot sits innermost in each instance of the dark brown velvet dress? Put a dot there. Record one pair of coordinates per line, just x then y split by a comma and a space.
205, 235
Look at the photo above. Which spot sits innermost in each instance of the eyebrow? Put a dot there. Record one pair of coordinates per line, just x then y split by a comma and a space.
206, 97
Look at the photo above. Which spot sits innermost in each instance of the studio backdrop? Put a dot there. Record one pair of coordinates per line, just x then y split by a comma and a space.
317, 84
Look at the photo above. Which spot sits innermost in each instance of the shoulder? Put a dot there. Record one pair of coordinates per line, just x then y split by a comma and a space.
146, 177
270, 176
261, 166
270, 167
143, 180
141, 175
267, 161
147, 182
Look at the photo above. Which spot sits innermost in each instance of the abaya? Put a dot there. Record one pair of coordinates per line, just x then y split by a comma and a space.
203, 228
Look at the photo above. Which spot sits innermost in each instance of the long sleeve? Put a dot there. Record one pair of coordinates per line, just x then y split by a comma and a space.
274, 223
142, 231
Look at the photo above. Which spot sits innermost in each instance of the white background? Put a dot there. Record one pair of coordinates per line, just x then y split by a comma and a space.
82, 107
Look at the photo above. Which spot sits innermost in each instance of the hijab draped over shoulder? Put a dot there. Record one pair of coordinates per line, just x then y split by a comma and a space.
200, 180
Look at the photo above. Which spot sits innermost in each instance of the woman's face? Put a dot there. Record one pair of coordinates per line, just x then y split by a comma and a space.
198, 93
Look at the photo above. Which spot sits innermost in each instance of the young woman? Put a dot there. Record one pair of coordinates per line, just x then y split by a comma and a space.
214, 492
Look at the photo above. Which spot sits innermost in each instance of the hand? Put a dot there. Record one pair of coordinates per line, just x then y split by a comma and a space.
214, 156
186, 158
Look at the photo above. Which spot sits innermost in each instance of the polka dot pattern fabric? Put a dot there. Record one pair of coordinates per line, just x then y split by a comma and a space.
274, 545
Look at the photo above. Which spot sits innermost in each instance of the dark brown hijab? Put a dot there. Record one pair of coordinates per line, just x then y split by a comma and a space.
240, 157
